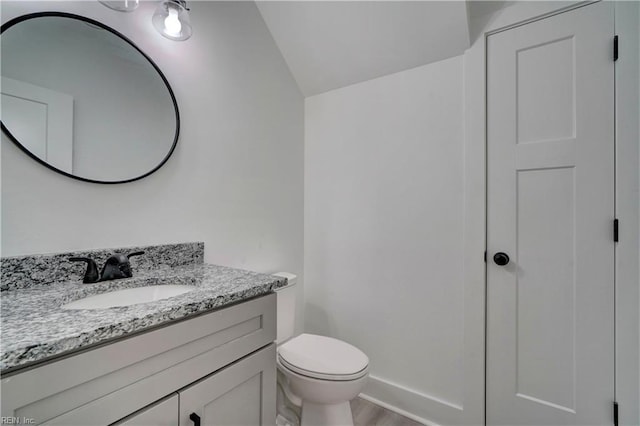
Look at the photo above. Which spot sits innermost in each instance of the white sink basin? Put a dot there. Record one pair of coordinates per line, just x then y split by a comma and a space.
129, 296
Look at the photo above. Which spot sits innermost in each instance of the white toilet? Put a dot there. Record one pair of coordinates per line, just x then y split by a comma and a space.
317, 373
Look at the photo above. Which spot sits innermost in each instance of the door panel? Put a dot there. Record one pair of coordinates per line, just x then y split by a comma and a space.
545, 286
545, 95
550, 207
239, 395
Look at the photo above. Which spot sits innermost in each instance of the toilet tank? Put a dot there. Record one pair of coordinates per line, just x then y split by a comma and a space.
286, 315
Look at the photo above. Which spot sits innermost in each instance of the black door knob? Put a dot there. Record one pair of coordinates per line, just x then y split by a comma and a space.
501, 258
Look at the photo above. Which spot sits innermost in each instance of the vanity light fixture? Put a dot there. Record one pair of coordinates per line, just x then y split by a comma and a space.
171, 19
121, 5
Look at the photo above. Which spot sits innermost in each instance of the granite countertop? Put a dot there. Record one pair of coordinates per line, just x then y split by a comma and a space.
35, 328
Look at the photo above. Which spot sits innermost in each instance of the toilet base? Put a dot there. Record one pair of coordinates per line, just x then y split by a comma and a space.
326, 414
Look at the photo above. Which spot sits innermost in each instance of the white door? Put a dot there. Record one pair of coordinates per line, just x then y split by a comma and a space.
40, 119
550, 165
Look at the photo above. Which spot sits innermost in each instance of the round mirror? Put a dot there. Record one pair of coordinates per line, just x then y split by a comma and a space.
83, 100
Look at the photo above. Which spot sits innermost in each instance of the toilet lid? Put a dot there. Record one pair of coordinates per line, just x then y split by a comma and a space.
323, 357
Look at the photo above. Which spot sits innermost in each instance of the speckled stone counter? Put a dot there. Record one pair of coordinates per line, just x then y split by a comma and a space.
42, 269
34, 327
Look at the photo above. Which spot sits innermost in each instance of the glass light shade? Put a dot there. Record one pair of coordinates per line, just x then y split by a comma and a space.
121, 5
171, 19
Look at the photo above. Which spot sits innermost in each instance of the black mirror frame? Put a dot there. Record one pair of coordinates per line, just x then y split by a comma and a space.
6, 131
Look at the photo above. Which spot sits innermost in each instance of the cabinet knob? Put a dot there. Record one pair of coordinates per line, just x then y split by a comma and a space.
195, 419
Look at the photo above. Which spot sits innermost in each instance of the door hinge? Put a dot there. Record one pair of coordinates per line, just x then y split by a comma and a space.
485, 256
615, 230
615, 413
615, 48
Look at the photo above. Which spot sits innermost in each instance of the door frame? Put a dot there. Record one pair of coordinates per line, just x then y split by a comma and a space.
627, 294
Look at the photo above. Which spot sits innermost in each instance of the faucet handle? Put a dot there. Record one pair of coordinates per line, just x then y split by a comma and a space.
135, 253
127, 267
118, 266
91, 274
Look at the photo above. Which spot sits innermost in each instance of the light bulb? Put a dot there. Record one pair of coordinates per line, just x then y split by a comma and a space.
171, 19
172, 25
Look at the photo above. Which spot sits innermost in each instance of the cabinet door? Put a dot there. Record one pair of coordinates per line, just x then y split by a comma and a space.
162, 413
242, 394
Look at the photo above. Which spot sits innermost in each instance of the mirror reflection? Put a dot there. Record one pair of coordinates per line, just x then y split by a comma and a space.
83, 100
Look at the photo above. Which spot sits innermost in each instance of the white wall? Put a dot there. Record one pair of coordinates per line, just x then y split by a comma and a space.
627, 22
384, 225
235, 179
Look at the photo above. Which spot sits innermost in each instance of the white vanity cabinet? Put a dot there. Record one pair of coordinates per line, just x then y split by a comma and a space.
221, 366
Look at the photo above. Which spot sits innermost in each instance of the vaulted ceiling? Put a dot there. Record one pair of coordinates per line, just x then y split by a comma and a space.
332, 44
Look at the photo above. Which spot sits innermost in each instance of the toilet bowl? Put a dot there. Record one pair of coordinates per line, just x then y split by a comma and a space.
319, 374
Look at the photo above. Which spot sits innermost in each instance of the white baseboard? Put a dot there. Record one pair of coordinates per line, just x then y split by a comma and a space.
415, 405
398, 410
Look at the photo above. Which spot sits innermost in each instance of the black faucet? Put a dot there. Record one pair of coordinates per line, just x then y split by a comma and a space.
117, 266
